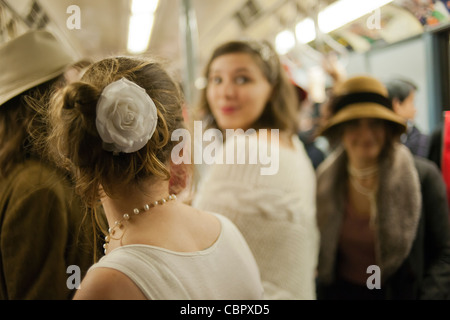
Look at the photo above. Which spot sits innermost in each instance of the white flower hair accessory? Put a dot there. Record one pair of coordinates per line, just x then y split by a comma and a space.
126, 117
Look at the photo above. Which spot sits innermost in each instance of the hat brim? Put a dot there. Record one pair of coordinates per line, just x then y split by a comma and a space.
19, 88
361, 111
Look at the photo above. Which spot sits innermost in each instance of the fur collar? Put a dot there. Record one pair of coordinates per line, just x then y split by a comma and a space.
398, 210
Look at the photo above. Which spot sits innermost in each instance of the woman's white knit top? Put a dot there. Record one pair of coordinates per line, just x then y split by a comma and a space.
276, 215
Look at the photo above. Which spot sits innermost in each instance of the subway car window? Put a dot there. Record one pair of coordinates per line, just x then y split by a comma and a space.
210, 152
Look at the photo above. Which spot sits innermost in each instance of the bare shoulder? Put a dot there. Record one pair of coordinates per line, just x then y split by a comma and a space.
205, 227
108, 284
207, 218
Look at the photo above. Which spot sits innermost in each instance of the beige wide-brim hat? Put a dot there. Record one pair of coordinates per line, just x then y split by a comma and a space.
361, 97
30, 60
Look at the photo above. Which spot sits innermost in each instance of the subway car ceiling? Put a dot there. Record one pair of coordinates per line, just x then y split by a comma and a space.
386, 38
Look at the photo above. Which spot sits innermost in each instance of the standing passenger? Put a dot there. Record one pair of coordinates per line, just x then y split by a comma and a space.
402, 94
41, 229
248, 89
114, 129
382, 212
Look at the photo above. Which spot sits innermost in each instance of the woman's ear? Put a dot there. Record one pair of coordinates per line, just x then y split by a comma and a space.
178, 178
396, 105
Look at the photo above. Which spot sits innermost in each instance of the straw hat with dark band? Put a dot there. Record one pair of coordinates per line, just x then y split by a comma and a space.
361, 97
30, 60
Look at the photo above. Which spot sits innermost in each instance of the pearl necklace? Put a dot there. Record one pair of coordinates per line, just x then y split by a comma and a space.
369, 193
136, 211
362, 173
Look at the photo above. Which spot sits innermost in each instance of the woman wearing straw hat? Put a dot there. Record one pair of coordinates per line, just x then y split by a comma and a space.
41, 233
382, 212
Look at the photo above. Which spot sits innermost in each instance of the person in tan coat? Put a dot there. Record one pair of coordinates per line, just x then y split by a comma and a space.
42, 232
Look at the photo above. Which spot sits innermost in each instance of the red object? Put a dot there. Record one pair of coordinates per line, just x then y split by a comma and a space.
302, 94
445, 164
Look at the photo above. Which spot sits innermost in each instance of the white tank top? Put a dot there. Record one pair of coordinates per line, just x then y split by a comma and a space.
225, 271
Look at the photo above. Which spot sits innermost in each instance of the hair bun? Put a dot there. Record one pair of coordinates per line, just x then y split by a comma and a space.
82, 97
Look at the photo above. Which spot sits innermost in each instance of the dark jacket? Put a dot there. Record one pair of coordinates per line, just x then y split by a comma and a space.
435, 148
41, 234
314, 153
412, 229
416, 141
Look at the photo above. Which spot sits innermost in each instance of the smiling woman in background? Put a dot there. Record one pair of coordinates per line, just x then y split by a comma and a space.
248, 89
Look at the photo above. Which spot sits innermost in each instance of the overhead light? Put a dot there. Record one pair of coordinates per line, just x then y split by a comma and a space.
331, 18
143, 6
141, 24
342, 12
139, 33
305, 31
284, 41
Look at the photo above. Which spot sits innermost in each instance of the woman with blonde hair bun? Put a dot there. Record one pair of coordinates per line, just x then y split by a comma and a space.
113, 130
